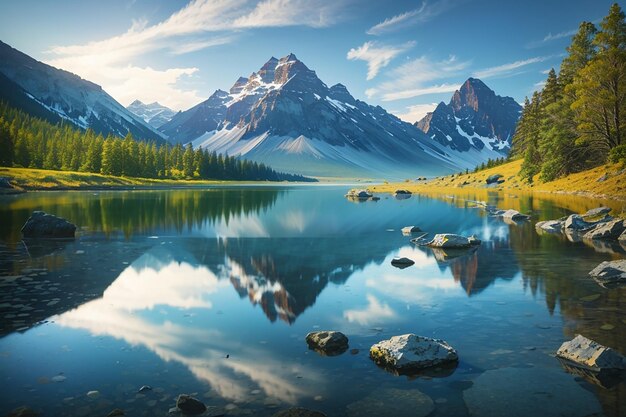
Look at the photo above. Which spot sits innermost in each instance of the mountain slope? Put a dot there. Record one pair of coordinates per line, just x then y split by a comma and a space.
285, 116
68, 96
155, 114
475, 118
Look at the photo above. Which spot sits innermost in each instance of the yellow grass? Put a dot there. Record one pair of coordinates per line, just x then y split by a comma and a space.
583, 183
42, 179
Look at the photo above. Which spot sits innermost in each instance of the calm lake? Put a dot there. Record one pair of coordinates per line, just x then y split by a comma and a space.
212, 292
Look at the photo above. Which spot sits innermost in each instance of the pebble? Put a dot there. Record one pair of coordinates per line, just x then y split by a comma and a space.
93, 394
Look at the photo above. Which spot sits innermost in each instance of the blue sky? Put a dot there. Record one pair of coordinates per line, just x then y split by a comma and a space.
403, 55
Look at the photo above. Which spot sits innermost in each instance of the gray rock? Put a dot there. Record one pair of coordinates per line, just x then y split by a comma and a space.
410, 229
515, 215
392, 402
406, 192
402, 262
576, 222
43, 225
116, 413
523, 392
550, 226
448, 240
5, 183
473, 240
591, 355
190, 405
494, 179
609, 230
359, 194
145, 388
610, 273
598, 211
329, 343
298, 412
411, 352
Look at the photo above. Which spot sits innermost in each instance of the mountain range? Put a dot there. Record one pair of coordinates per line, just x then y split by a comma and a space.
155, 114
285, 116
57, 95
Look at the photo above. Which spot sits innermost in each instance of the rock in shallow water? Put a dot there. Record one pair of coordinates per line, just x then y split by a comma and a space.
327, 342
43, 225
392, 402
589, 354
550, 226
524, 392
609, 230
407, 230
402, 262
449, 240
610, 273
189, 405
298, 412
410, 352
515, 215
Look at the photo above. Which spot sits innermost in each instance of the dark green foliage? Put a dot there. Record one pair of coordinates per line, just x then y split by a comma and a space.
29, 142
618, 154
579, 116
490, 164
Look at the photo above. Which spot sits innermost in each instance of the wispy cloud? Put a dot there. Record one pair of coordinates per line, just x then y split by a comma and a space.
506, 69
208, 23
415, 78
551, 37
416, 112
424, 13
377, 55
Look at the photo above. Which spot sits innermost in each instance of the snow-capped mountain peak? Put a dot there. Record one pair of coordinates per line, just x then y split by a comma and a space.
155, 114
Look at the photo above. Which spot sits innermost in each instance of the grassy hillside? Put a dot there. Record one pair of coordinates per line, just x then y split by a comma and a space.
42, 179
607, 181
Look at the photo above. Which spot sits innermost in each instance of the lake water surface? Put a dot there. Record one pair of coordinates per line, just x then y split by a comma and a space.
211, 293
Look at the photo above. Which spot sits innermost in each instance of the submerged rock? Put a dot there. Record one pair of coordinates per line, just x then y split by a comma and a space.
190, 405
116, 413
524, 392
407, 230
591, 355
550, 226
607, 230
43, 225
329, 343
5, 183
402, 262
23, 412
610, 273
298, 412
515, 215
393, 402
448, 240
410, 352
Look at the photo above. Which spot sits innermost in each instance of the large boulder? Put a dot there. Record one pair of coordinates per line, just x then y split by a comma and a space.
550, 226
576, 222
190, 405
589, 354
43, 225
515, 215
494, 179
449, 240
410, 352
298, 412
608, 230
328, 343
610, 273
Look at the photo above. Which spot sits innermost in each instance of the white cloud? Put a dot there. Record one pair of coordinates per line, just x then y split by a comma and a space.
416, 112
110, 62
415, 78
376, 55
375, 312
424, 13
508, 68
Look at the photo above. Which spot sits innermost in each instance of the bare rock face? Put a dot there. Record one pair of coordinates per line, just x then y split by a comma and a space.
589, 354
329, 343
190, 405
411, 352
609, 230
43, 225
610, 273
